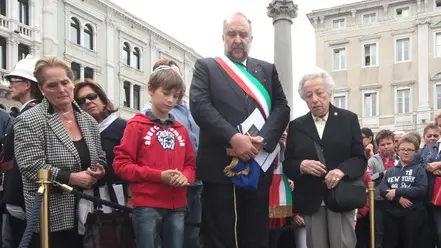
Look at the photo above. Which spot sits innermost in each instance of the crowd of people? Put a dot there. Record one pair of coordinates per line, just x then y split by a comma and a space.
228, 158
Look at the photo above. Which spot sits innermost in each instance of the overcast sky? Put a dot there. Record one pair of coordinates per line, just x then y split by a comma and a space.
198, 24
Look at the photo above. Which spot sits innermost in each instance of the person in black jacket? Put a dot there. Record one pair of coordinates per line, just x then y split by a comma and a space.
24, 88
405, 186
91, 98
335, 132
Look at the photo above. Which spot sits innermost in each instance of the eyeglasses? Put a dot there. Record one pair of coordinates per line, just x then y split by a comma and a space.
406, 150
90, 97
17, 81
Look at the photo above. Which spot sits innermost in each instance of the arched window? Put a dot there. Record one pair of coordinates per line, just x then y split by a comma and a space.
75, 30
88, 36
136, 58
2, 106
126, 53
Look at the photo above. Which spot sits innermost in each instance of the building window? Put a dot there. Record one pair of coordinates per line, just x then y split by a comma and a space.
88, 36
369, 18
339, 59
402, 50
340, 102
136, 97
2, 53
88, 72
76, 68
438, 3
3, 7
126, 94
438, 44
23, 7
126, 53
438, 96
75, 30
402, 12
23, 51
370, 54
136, 58
339, 23
403, 101
370, 104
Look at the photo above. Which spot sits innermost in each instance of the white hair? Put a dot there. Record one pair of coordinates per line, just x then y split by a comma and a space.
315, 73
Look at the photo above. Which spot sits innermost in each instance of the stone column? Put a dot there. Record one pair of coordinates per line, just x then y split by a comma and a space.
50, 33
81, 72
282, 12
111, 62
423, 109
131, 96
153, 54
12, 54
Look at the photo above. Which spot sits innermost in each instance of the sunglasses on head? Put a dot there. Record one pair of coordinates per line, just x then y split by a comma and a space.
90, 97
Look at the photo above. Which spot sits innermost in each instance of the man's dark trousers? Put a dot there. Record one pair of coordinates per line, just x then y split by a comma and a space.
219, 216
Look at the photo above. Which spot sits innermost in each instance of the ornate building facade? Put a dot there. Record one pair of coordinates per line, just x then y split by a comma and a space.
99, 39
385, 57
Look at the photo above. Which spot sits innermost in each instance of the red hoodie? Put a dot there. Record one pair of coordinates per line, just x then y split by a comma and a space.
147, 149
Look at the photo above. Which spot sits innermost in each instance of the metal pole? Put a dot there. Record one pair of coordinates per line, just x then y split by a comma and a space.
43, 178
371, 189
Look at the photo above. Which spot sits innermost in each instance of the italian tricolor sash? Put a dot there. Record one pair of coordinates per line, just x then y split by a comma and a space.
247, 82
280, 193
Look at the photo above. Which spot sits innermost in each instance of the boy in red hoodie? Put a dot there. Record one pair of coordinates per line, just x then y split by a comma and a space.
156, 157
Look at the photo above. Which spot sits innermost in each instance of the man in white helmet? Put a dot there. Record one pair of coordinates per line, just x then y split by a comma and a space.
24, 88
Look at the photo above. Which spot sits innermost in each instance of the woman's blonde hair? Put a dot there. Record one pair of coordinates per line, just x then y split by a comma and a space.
47, 62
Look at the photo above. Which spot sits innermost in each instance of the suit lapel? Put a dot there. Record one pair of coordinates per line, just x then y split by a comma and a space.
256, 70
308, 127
59, 130
332, 123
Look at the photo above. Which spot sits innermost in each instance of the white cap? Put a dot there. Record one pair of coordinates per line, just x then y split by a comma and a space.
24, 69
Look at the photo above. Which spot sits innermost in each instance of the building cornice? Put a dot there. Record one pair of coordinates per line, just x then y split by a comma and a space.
353, 8
370, 37
341, 90
338, 42
436, 77
370, 87
402, 83
403, 31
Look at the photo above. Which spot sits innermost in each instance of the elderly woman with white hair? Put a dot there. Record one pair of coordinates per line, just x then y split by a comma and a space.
324, 148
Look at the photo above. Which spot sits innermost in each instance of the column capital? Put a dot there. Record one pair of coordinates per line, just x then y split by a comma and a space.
353, 12
282, 10
423, 21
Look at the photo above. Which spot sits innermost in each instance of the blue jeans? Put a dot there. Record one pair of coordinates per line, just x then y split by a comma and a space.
193, 216
159, 227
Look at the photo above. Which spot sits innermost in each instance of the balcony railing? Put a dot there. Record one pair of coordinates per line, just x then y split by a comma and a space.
24, 30
4, 22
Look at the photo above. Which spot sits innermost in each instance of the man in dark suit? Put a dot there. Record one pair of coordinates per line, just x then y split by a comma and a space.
338, 133
233, 216
24, 88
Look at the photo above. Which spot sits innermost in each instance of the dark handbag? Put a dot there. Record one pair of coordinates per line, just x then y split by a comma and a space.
349, 194
108, 230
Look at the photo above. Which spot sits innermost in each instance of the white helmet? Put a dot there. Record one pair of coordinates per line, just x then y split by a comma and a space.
24, 69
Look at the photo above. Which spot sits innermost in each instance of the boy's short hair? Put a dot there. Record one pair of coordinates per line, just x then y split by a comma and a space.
383, 134
410, 138
165, 77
